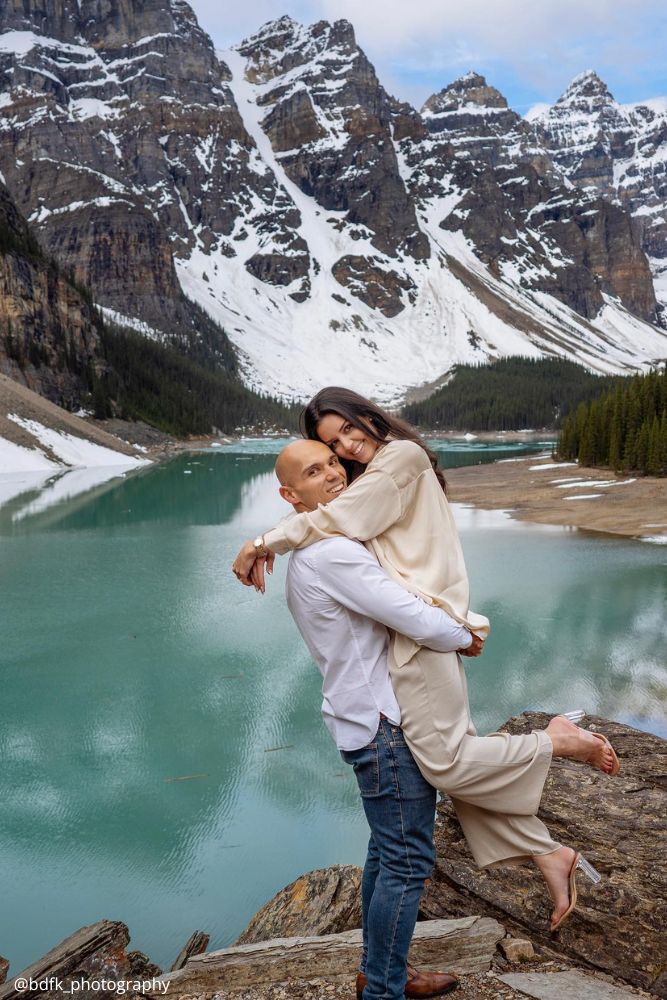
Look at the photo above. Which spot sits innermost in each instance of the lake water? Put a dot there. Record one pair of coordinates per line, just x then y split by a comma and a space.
163, 758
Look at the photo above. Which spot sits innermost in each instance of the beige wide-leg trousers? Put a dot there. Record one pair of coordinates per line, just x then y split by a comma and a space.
495, 782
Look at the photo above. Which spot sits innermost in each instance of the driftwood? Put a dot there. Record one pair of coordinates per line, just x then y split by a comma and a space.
461, 946
4, 969
620, 824
92, 953
195, 945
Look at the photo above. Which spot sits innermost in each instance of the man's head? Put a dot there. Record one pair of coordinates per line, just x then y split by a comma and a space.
309, 474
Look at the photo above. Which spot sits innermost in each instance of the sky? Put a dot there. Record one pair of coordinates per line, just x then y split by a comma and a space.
529, 49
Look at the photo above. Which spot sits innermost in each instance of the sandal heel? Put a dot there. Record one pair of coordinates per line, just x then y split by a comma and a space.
575, 716
587, 868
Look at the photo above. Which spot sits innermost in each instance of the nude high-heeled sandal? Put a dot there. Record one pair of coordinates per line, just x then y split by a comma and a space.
579, 864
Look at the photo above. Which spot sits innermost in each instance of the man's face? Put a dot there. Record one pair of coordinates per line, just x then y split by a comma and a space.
314, 475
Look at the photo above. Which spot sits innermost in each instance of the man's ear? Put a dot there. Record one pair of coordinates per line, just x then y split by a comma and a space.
288, 494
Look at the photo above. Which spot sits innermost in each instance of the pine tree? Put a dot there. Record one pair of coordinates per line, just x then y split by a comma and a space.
653, 465
625, 429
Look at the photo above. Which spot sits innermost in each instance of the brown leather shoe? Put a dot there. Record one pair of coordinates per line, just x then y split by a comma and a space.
419, 984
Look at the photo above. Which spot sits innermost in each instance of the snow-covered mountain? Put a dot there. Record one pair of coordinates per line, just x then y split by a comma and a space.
618, 151
336, 234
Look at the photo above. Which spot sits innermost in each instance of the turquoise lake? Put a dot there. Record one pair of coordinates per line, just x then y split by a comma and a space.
163, 758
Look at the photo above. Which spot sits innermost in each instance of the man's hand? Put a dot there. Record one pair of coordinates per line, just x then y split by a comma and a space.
475, 647
249, 569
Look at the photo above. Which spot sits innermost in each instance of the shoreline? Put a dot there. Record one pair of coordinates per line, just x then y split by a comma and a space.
530, 488
539, 490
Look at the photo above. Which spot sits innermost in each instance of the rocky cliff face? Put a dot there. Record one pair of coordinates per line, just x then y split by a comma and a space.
616, 151
48, 335
330, 123
335, 233
122, 145
518, 210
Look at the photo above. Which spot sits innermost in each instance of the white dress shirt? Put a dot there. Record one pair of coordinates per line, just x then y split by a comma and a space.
343, 602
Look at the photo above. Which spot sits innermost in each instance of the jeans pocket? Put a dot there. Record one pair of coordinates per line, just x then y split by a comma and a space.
410, 782
366, 764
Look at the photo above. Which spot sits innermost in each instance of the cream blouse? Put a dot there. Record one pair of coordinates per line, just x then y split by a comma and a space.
397, 507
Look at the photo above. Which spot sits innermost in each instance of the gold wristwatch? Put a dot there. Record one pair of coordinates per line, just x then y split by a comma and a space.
260, 548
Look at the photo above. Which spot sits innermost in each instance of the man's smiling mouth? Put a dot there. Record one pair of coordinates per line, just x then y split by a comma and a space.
338, 488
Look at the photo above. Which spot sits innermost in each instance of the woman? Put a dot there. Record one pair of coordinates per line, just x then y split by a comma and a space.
397, 504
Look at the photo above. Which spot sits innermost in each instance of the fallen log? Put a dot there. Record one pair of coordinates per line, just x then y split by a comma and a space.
460, 946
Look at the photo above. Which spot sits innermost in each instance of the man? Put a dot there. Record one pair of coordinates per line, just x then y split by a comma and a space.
343, 603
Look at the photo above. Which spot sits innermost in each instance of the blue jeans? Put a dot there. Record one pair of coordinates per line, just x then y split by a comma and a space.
400, 809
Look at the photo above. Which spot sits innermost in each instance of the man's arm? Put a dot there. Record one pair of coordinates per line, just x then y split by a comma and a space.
352, 576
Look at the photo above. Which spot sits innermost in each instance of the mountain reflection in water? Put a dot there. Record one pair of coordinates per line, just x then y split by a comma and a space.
164, 762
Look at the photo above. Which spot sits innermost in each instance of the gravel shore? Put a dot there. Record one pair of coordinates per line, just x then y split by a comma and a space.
548, 492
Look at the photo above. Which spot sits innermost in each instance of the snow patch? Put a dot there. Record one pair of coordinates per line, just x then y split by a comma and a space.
71, 450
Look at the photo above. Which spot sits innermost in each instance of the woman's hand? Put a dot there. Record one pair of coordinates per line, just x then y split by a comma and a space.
248, 568
475, 647
257, 571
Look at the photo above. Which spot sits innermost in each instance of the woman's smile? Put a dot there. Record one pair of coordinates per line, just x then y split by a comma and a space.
346, 440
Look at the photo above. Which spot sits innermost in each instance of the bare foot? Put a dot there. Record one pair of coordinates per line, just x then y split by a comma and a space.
555, 868
570, 741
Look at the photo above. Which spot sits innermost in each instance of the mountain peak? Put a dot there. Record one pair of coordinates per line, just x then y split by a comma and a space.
278, 38
587, 85
471, 88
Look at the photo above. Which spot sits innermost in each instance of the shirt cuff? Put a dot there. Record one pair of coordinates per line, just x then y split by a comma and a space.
276, 541
468, 644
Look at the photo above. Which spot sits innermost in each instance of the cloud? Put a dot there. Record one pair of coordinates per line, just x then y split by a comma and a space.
531, 48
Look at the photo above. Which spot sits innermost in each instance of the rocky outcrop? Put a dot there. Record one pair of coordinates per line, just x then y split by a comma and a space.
326, 901
618, 926
195, 945
620, 826
91, 954
380, 288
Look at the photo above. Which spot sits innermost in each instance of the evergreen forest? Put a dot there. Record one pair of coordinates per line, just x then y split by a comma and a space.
625, 429
158, 384
510, 394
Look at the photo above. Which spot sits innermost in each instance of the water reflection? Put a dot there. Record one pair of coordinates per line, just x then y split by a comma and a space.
164, 762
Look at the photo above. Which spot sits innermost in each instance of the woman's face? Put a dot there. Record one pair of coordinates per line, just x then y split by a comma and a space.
346, 440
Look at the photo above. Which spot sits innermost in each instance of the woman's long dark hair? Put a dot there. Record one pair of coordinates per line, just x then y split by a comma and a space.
368, 417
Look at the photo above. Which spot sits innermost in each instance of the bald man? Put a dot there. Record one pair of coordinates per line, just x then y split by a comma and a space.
343, 603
